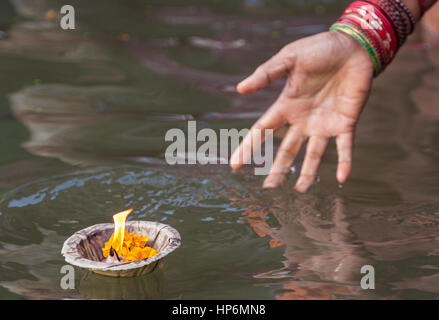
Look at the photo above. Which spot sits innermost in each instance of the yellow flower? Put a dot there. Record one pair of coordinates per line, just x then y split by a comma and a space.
133, 247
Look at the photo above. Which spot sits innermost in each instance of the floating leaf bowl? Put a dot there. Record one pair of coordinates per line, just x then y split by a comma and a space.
84, 248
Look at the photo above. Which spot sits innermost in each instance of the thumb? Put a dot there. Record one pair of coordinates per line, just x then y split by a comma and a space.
270, 71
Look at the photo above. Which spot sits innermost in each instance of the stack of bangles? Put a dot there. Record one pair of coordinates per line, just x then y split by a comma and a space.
380, 26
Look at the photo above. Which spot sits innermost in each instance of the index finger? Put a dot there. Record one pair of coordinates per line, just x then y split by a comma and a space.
272, 119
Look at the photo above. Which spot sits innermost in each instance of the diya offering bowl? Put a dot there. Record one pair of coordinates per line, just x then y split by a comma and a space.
84, 248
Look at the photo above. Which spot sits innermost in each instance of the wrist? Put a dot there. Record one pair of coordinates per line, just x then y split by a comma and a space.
352, 46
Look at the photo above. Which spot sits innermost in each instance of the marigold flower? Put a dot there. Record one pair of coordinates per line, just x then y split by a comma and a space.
133, 248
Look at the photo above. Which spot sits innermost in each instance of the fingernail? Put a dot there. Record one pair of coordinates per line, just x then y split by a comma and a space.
234, 167
274, 182
242, 85
300, 186
243, 82
233, 161
342, 177
269, 184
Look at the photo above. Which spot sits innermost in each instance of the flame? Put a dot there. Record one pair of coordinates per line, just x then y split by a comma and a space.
119, 229
128, 246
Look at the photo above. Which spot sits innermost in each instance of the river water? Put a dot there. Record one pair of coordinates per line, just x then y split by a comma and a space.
83, 115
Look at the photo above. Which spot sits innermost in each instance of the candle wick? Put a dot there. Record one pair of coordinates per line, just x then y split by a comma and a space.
112, 250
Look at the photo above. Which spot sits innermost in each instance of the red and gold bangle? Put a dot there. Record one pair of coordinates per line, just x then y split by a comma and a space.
377, 25
359, 23
395, 15
380, 26
388, 29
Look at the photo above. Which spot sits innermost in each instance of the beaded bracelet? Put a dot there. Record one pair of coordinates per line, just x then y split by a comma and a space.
408, 13
380, 26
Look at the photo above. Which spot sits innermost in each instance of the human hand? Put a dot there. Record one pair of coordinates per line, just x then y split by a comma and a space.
329, 80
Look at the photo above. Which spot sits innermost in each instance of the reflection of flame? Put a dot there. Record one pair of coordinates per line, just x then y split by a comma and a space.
119, 229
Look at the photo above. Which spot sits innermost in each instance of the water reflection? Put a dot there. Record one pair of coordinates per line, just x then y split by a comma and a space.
314, 233
327, 238
94, 286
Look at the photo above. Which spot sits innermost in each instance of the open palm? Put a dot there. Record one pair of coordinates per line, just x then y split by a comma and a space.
329, 80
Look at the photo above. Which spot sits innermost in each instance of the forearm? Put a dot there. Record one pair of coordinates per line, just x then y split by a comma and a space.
419, 7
